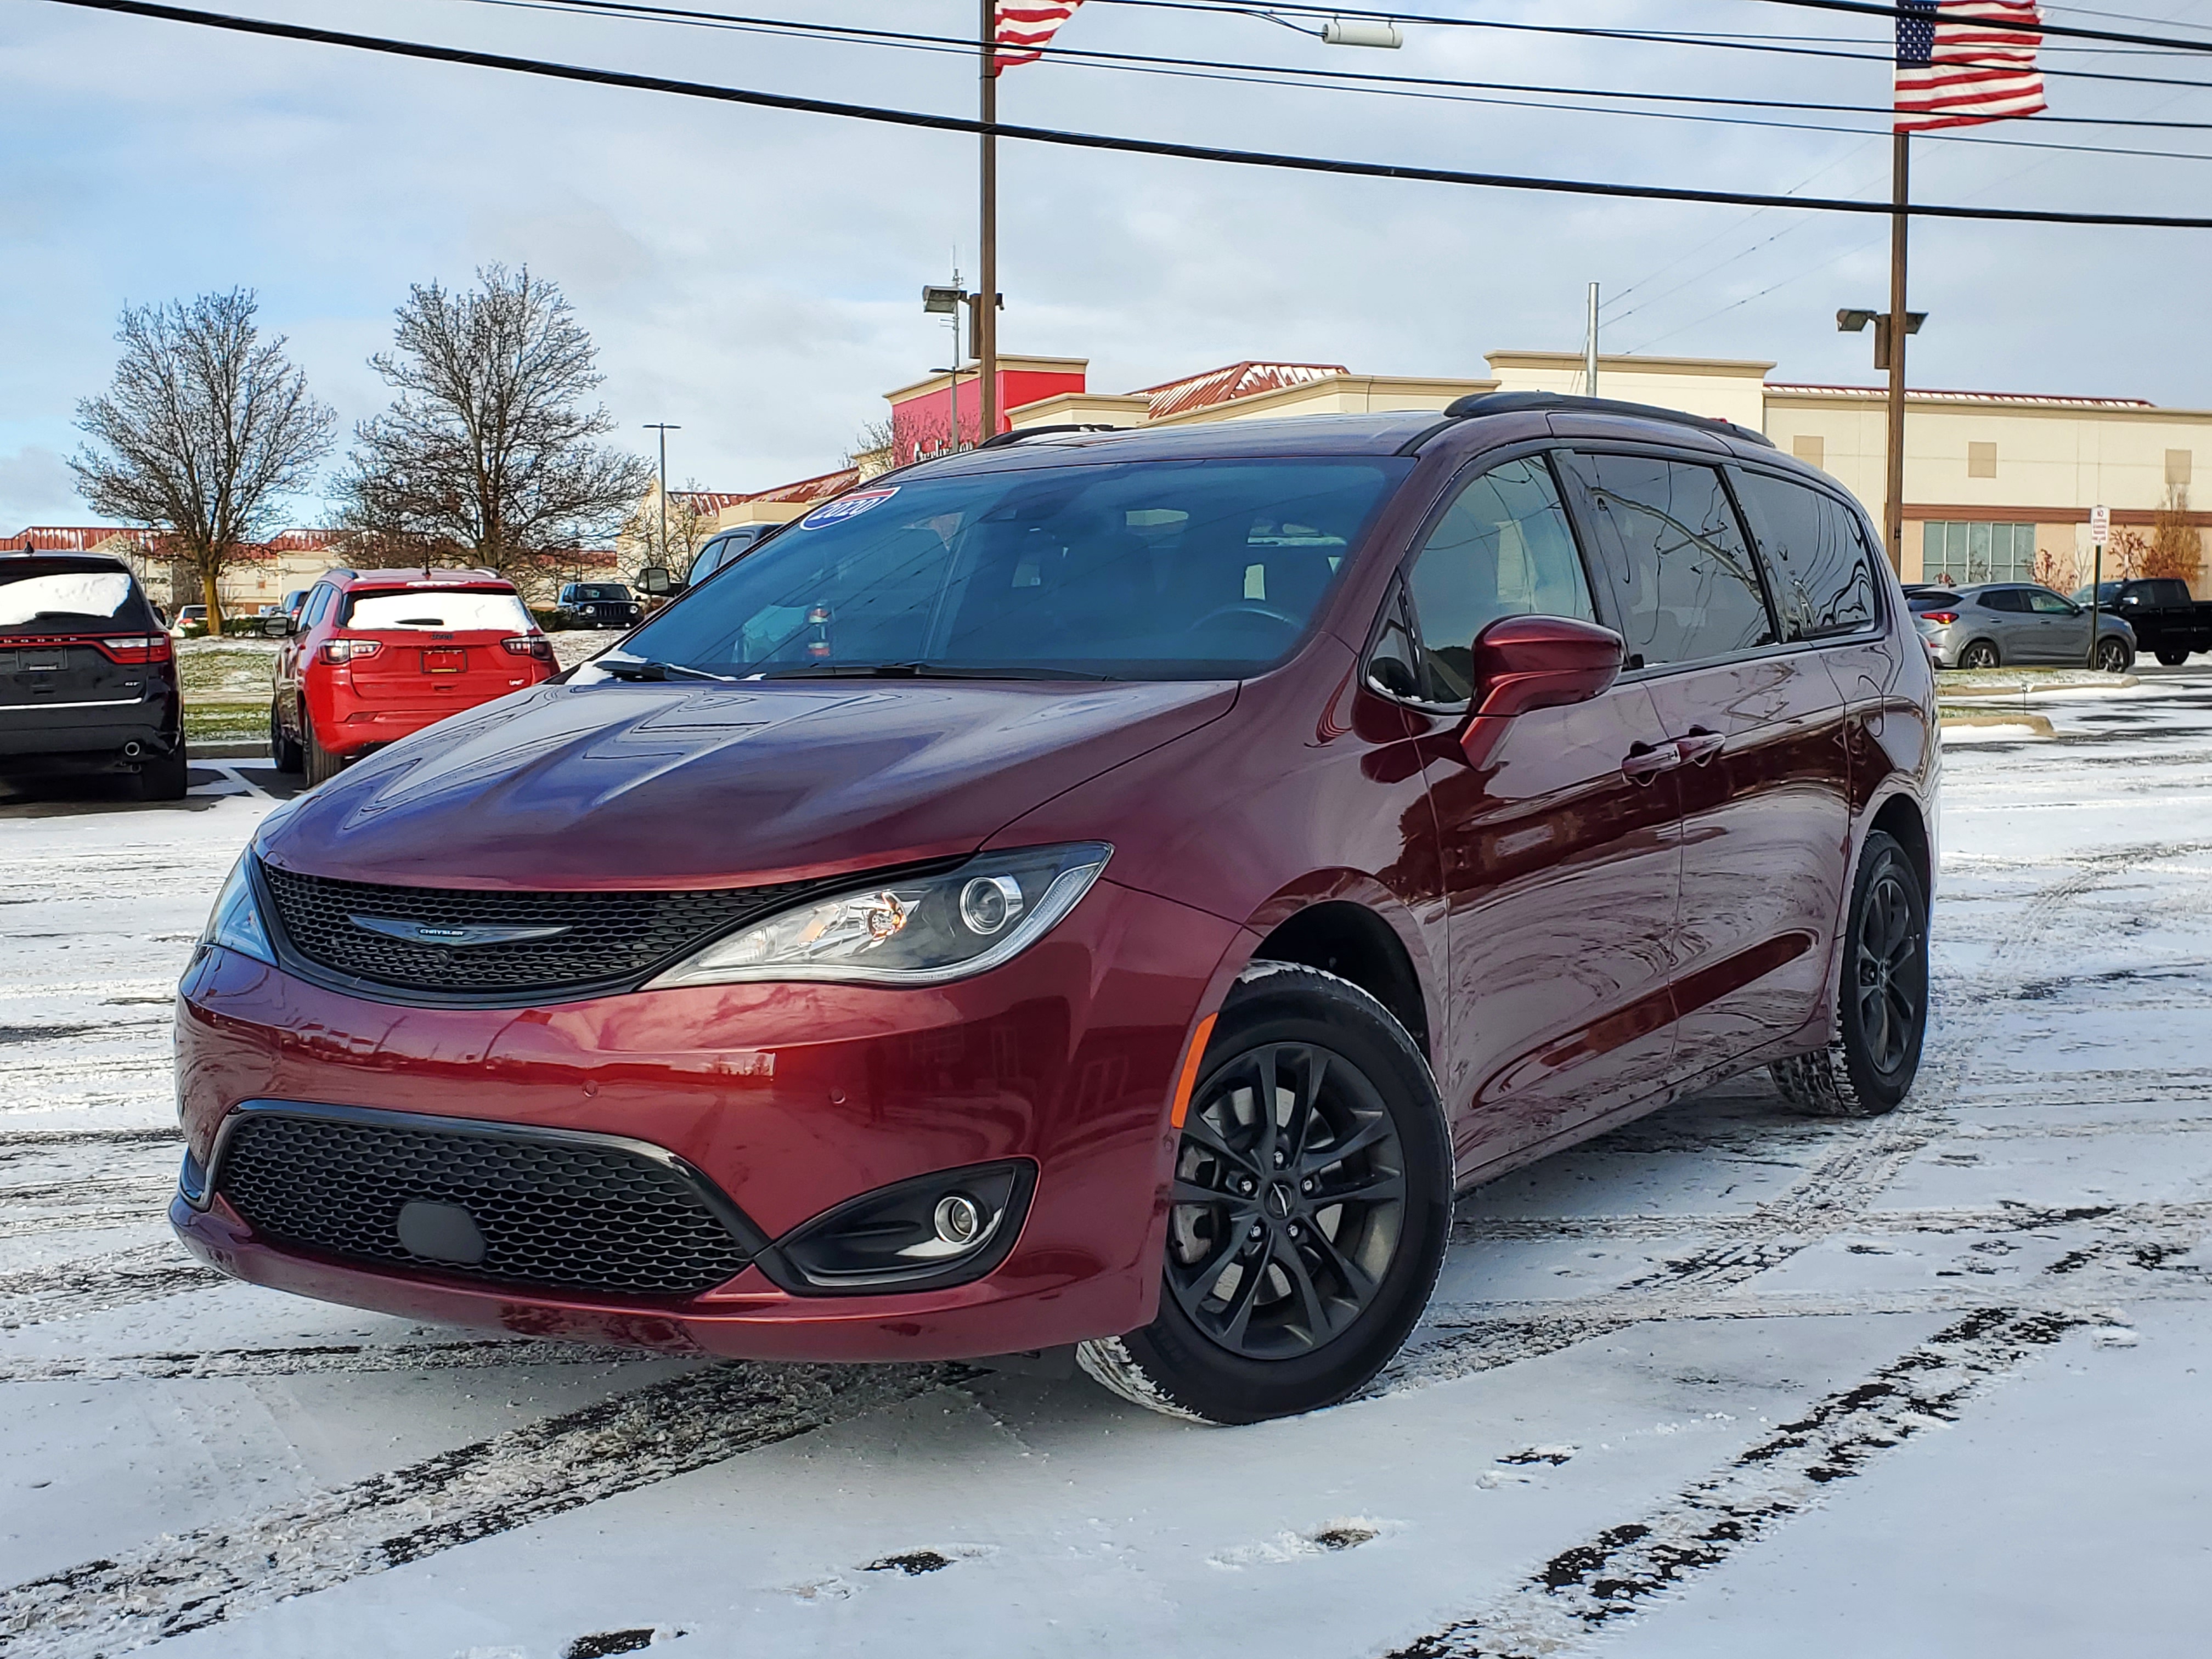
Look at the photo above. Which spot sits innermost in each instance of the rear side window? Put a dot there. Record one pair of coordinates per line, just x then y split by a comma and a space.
1681, 576
449, 609
1503, 548
1818, 567
2004, 599
61, 601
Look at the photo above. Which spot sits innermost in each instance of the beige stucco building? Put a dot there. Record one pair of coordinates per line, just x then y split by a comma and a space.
1991, 478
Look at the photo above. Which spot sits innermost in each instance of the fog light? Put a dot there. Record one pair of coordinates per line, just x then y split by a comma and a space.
959, 1219
939, 1228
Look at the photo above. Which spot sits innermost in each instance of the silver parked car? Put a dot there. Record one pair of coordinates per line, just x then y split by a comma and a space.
1993, 624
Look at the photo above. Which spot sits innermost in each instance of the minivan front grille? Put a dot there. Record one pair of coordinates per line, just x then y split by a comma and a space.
569, 1213
560, 941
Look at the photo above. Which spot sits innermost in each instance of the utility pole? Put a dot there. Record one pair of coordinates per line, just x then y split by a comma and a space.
664, 429
1589, 347
1899, 326
985, 328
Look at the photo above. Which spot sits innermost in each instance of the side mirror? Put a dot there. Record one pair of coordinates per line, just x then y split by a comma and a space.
655, 582
1522, 663
277, 626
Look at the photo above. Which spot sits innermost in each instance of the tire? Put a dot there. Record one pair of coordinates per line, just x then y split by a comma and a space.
2172, 657
1866, 1072
283, 750
2113, 656
1320, 1294
164, 777
1979, 653
321, 765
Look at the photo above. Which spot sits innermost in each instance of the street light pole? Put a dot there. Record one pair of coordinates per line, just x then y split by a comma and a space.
1901, 225
664, 429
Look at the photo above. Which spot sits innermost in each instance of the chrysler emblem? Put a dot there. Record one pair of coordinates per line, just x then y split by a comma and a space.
426, 932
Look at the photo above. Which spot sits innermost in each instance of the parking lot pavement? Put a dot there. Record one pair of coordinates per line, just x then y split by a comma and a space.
1724, 1382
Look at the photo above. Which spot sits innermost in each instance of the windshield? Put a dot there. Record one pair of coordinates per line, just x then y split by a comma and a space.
1151, 570
448, 610
52, 599
602, 591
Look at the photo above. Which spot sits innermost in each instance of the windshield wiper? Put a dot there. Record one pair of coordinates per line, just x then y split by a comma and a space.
919, 671
632, 668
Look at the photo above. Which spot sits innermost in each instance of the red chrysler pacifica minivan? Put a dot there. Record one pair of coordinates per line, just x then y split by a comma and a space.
1097, 897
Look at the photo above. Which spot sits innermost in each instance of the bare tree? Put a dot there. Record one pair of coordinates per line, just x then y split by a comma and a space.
640, 545
489, 446
2177, 546
206, 428
2059, 572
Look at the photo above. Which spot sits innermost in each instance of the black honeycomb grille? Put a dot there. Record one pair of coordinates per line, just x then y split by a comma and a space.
555, 1214
606, 937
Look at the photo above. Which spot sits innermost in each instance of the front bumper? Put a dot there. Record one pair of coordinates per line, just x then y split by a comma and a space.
790, 1099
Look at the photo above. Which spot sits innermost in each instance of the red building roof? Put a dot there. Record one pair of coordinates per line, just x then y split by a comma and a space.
1219, 385
74, 538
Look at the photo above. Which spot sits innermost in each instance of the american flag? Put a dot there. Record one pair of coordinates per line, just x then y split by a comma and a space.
1026, 27
1963, 61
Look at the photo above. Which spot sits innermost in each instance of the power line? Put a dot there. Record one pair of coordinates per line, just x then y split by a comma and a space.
1727, 42
636, 10
2063, 31
582, 73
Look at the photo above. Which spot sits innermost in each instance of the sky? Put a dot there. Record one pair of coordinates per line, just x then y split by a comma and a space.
754, 277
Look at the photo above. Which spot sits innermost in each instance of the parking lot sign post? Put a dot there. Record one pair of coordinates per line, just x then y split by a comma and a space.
2101, 527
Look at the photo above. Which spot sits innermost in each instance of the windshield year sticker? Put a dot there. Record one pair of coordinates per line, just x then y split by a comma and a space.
847, 506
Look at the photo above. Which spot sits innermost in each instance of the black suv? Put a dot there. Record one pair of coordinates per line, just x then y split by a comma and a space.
87, 678
599, 604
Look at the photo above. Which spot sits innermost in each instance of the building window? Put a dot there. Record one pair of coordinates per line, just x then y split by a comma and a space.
2177, 467
1981, 460
1962, 553
1812, 451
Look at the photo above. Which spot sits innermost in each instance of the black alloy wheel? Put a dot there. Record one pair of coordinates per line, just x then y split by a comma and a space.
1881, 1016
1979, 654
2112, 655
1889, 970
1289, 1200
1308, 1205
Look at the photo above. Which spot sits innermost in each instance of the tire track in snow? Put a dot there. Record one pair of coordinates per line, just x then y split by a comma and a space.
72, 1290
1580, 1591
1572, 1598
204, 1578
318, 1359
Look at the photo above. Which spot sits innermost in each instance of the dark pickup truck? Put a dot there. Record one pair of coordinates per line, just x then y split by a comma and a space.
2168, 624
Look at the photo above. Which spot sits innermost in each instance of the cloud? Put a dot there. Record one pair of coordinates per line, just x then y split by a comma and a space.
753, 276
36, 487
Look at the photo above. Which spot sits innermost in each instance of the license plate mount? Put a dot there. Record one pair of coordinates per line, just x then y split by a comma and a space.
445, 659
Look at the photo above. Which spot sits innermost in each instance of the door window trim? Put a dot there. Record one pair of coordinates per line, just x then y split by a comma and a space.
1869, 548
1399, 595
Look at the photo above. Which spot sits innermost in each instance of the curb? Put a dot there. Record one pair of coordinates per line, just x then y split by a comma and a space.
229, 751
2039, 724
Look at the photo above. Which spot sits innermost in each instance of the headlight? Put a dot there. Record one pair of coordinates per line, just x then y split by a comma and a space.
923, 932
235, 921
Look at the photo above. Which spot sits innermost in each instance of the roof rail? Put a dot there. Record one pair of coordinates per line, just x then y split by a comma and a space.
1511, 403
1001, 440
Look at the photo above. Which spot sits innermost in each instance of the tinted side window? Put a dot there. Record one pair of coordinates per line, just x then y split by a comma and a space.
1817, 565
1681, 579
318, 602
1503, 548
2002, 598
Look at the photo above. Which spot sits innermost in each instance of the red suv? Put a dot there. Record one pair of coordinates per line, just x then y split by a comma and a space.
375, 655
1098, 898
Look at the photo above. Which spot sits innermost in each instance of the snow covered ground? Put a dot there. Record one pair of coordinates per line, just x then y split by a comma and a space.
1726, 1383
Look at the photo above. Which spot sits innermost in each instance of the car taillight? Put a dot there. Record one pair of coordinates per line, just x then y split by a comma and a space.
530, 645
1940, 618
152, 648
350, 650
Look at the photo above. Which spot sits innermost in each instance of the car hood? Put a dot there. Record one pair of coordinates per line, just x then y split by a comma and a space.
612, 786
